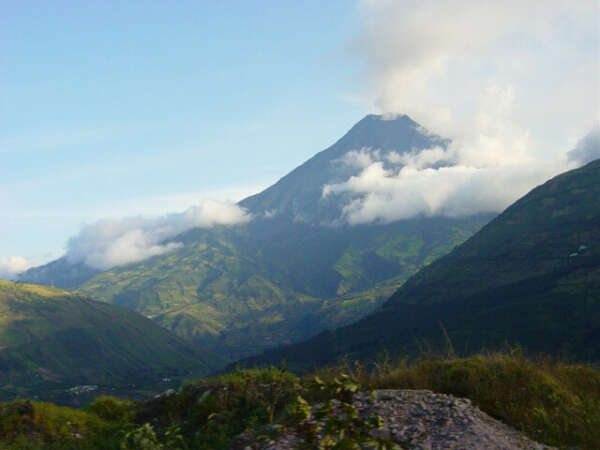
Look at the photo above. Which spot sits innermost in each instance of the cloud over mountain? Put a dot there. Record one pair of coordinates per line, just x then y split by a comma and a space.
109, 243
10, 266
588, 148
482, 171
498, 79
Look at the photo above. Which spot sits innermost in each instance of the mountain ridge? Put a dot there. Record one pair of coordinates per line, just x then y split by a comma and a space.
52, 340
545, 297
289, 273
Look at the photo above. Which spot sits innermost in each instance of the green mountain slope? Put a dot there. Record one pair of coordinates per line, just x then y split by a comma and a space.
531, 276
243, 290
51, 340
289, 273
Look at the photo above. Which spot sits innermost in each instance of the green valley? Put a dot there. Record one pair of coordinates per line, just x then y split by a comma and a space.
294, 270
239, 291
58, 345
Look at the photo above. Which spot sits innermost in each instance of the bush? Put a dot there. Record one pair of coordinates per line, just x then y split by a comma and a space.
551, 402
112, 409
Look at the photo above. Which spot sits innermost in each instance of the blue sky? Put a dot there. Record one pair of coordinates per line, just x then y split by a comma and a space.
115, 109
104, 104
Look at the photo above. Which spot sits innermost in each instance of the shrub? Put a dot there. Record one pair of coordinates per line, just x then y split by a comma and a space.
112, 409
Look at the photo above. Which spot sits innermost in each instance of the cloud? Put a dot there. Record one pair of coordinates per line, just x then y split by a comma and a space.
383, 195
484, 171
10, 266
431, 59
588, 148
513, 84
108, 243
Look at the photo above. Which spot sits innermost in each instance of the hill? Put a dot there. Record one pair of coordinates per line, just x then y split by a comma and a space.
295, 269
531, 276
52, 340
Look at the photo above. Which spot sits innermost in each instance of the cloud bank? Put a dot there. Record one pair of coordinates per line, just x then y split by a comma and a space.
384, 195
513, 84
432, 59
11, 266
108, 243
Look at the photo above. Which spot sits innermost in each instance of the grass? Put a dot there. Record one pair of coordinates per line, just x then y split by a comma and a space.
550, 401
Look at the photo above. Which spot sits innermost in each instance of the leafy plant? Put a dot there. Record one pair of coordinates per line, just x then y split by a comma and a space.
336, 423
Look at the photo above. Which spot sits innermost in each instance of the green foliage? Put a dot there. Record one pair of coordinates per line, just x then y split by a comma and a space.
30, 425
335, 423
112, 409
550, 401
144, 438
212, 411
241, 290
530, 276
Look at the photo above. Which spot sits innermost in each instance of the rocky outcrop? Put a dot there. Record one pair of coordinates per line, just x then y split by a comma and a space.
420, 419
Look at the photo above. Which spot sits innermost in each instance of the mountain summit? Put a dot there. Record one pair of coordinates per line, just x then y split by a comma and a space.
289, 273
298, 195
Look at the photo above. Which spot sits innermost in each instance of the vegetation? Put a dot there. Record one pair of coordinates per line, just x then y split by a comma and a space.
64, 347
288, 274
531, 276
550, 401
239, 291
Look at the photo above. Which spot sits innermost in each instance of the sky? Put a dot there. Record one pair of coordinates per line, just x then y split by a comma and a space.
136, 114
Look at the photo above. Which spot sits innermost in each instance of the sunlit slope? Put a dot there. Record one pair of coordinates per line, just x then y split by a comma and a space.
50, 337
240, 291
531, 276
296, 268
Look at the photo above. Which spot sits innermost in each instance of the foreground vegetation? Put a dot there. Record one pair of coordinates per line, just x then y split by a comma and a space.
552, 402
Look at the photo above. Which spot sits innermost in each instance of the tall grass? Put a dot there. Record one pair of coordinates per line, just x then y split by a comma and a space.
550, 401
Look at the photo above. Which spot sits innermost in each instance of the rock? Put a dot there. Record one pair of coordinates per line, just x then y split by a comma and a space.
420, 419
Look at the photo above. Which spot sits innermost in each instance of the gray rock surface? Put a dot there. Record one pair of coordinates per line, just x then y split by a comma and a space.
420, 419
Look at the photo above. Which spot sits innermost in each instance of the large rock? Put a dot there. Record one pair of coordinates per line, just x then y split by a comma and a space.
420, 419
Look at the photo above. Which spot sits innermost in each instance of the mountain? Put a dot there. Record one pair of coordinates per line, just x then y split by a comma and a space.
52, 340
60, 273
298, 195
296, 268
531, 276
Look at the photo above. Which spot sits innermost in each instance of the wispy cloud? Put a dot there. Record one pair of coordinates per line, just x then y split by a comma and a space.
108, 243
11, 266
501, 79
588, 148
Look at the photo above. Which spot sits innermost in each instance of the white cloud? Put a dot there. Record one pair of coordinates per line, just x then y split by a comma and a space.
108, 243
10, 266
431, 59
484, 171
588, 148
388, 195
358, 159
514, 84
